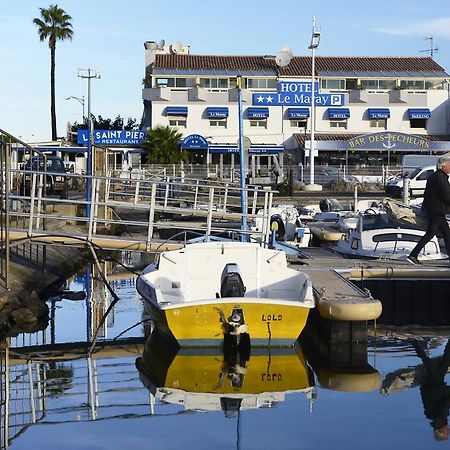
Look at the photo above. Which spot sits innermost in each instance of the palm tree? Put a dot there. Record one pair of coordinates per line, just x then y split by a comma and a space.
54, 24
163, 146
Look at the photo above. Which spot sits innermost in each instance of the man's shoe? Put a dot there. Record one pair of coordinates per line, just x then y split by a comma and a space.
413, 260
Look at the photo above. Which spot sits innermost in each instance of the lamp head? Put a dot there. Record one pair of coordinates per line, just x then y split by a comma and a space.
315, 39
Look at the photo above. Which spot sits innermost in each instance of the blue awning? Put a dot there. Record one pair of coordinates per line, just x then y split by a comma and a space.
419, 113
298, 113
176, 111
217, 112
257, 113
379, 113
338, 113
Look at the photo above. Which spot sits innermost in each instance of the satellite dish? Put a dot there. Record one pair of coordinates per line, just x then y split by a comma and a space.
288, 50
176, 47
150, 45
283, 58
161, 44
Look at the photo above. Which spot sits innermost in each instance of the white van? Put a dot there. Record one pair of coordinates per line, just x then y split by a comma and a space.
417, 169
417, 181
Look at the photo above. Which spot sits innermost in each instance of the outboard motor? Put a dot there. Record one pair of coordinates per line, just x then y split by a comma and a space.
231, 284
330, 204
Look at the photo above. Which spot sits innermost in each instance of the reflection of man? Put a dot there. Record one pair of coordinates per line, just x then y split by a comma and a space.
434, 391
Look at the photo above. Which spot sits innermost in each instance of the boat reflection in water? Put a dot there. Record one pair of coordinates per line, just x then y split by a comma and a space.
206, 379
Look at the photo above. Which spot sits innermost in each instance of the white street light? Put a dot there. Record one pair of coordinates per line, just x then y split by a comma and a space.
282, 59
315, 39
80, 100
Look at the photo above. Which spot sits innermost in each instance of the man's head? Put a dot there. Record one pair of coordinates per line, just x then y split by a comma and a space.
444, 164
441, 433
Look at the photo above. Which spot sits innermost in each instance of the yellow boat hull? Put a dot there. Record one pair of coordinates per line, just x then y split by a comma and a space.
203, 325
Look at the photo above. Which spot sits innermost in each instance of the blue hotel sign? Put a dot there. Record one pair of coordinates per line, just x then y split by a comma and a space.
113, 137
194, 142
297, 93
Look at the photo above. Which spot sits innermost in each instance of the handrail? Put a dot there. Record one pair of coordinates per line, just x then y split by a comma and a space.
133, 198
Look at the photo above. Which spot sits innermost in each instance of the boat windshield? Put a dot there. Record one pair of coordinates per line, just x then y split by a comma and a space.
379, 221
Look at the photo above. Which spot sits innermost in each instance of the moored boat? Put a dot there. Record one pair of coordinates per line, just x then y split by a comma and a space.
376, 236
210, 291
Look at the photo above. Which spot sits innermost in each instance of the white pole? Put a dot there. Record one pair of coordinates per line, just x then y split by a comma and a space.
313, 113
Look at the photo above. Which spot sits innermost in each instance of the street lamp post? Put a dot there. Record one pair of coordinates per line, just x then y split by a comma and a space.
79, 100
315, 39
243, 162
89, 74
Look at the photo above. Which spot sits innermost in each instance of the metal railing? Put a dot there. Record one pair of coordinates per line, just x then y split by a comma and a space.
147, 207
9, 146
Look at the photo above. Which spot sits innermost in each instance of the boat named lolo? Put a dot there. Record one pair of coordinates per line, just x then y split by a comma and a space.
207, 292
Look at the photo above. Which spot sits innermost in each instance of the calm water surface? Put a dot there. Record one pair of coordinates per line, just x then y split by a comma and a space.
353, 399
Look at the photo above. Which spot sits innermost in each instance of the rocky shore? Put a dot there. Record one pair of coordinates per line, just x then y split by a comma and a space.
23, 307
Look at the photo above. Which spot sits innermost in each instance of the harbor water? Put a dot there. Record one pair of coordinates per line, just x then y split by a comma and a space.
135, 393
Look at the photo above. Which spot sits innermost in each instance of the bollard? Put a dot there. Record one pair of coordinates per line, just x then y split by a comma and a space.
406, 191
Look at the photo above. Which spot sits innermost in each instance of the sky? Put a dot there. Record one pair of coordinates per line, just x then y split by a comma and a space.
109, 36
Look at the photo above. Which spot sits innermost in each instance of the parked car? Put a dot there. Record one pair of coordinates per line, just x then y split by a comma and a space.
56, 182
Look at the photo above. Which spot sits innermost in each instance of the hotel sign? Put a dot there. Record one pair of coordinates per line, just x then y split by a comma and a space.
388, 140
194, 142
297, 93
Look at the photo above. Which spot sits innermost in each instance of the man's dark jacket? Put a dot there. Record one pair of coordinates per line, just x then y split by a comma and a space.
436, 199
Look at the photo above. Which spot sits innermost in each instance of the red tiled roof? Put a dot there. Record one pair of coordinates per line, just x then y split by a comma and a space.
299, 65
300, 138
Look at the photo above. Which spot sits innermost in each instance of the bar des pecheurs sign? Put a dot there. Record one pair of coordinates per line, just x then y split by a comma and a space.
389, 140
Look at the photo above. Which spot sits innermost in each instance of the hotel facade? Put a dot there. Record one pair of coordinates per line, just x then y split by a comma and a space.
369, 110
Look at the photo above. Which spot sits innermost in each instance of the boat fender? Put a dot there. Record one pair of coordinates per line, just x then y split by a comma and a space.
277, 225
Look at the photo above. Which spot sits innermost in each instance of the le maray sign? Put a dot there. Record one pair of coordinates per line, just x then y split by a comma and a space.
297, 93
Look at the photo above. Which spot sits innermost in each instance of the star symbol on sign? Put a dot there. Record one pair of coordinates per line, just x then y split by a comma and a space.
269, 99
260, 99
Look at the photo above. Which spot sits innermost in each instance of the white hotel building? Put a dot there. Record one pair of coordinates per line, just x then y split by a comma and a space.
389, 105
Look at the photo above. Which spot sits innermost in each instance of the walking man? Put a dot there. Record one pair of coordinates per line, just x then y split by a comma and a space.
436, 203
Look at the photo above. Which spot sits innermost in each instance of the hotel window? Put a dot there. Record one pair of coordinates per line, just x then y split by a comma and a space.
378, 85
260, 123
261, 83
299, 123
378, 123
180, 122
332, 84
175, 82
338, 123
214, 83
418, 123
218, 123
412, 84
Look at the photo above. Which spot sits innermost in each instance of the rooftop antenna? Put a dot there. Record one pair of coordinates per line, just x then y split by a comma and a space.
161, 44
432, 48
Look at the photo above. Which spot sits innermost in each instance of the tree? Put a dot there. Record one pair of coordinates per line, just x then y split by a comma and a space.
54, 24
163, 146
